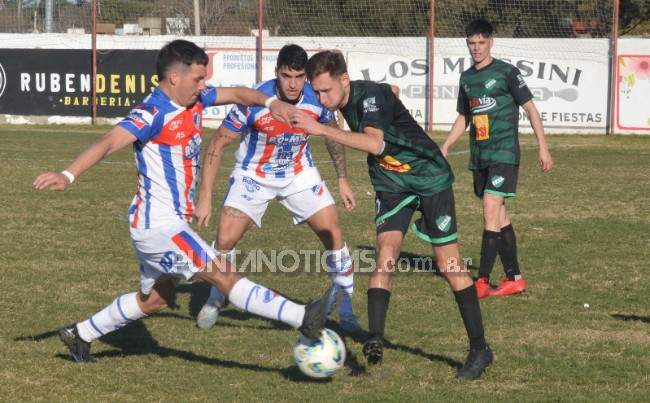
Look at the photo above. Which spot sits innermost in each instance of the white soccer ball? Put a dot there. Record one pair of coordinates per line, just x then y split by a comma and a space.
322, 357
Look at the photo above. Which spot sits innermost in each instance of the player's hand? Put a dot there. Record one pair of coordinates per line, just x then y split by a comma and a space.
305, 121
444, 150
545, 160
203, 212
282, 111
347, 194
52, 180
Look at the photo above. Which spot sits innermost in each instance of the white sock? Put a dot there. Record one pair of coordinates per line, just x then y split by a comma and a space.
123, 310
261, 301
216, 297
341, 271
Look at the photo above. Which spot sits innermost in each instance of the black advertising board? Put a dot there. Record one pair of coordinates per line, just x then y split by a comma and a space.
58, 82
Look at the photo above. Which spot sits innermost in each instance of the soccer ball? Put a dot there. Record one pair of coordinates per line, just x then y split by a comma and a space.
319, 358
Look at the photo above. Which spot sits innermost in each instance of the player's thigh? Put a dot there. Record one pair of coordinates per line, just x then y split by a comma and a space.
172, 253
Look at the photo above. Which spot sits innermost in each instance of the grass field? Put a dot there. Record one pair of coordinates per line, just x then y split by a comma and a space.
583, 233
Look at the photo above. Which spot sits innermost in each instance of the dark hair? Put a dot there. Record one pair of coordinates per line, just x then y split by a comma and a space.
292, 56
179, 51
327, 61
479, 27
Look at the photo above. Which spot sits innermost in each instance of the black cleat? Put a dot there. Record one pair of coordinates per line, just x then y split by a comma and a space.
475, 364
79, 349
373, 350
316, 313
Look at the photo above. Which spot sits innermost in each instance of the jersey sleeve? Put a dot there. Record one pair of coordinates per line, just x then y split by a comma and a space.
326, 116
142, 122
377, 108
237, 119
209, 96
518, 88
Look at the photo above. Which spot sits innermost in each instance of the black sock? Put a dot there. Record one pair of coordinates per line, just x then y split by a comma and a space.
378, 299
470, 311
508, 252
489, 250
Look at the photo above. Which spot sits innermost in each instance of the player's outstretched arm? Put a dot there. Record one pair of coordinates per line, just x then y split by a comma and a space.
115, 139
370, 141
457, 129
209, 170
280, 110
545, 159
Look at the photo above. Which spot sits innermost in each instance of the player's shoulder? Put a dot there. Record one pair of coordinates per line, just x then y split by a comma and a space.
267, 87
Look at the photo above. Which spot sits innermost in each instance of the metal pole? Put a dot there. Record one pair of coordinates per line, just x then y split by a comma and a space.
613, 96
260, 42
197, 18
432, 17
49, 15
93, 73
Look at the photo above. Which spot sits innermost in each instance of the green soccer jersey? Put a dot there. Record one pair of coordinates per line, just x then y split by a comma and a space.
410, 161
490, 98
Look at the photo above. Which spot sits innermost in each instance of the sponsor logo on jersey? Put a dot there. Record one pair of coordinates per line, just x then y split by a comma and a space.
168, 261
522, 83
197, 120
193, 148
142, 116
317, 190
265, 120
444, 223
369, 105
246, 197
481, 127
175, 124
497, 181
269, 295
482, 104
250, 184
490, 83
391, 164
288, 140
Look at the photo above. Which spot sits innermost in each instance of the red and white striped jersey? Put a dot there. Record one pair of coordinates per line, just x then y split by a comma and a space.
270, 148
167, 155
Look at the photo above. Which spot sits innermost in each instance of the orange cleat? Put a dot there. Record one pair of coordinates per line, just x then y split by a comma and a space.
482, 287
509, 287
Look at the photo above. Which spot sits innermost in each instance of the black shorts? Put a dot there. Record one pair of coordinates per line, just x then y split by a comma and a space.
437, 224
500, 180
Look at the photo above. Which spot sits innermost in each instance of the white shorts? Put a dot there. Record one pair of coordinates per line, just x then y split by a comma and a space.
172, 252
303, 195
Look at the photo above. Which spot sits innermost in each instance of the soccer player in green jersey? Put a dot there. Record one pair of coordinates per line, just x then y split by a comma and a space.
490, 94
409, 174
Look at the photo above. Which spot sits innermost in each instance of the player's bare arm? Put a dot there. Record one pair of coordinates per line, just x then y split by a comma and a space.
280, 110
337, 154
370, 141
209, 171
545, 159
457, 129
115, 139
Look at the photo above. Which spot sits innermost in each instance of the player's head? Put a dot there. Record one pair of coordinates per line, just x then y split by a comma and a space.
328, 74
181, 69
480, 41
290, 72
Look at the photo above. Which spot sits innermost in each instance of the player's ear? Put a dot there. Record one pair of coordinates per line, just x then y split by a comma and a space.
345, 79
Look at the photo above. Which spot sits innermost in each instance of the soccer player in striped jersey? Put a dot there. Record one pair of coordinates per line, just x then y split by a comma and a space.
165, 131
273, 161
409, 174
491, 92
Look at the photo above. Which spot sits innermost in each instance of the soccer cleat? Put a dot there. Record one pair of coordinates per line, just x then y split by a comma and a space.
475, 364
350, 323
373, 350
316, 313
482, 287
509, 287
79, 349
208, 315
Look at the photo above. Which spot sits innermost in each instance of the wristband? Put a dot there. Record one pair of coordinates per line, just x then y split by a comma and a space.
268, 101
69, 176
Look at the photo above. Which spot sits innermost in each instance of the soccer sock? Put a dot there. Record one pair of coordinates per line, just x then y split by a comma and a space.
340, 269
508, 253
378, 300
470, 311
216, 297
261, 301
123, 310
489, 250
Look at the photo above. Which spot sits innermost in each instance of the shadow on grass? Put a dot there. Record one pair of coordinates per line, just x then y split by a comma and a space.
644, 319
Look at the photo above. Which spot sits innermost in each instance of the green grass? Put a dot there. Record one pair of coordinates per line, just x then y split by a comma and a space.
583, 233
